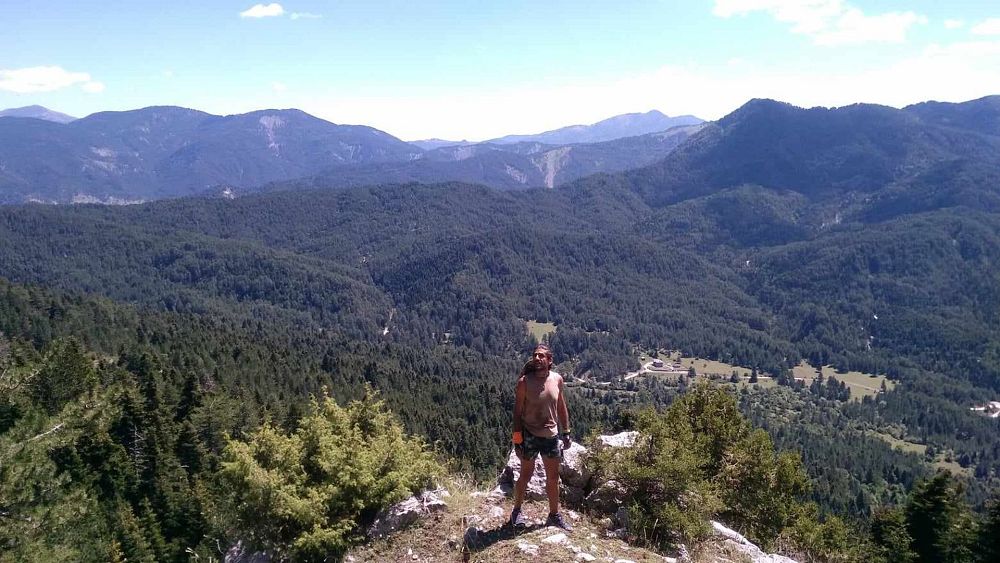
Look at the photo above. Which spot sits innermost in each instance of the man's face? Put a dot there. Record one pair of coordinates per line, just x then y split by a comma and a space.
541, 358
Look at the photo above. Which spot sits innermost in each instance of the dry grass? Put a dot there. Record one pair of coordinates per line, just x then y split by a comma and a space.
540, 330
860, 384
903, 445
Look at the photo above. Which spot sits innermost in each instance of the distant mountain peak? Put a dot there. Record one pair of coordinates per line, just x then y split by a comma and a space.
617, 127
37, 112
435, 143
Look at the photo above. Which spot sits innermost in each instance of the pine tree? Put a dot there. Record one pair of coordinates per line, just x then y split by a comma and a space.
890, 536
940, 522
989, 533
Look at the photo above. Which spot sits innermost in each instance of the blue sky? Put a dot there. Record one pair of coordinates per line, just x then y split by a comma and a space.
475, 70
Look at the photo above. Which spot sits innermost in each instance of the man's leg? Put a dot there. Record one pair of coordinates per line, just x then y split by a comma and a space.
552, 482
521, 486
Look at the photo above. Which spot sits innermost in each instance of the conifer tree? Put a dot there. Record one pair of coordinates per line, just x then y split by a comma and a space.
940, 522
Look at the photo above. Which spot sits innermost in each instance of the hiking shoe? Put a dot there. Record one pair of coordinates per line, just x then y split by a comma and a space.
558, 521
517, 520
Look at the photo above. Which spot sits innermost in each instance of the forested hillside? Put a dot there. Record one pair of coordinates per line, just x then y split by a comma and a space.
759, 259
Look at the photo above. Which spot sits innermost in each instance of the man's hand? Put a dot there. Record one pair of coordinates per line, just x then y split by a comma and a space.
565, 441
517, 437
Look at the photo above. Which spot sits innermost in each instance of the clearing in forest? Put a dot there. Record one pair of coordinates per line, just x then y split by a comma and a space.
860, 384
540, 330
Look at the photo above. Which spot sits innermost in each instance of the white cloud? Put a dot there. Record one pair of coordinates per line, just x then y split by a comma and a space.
953, 24
827, 22
305, 16
263, 11
167, 73
43, 79
989, 26
279, 87
93, 87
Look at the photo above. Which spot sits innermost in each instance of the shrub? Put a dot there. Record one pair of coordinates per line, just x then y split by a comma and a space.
306, 495
701, 459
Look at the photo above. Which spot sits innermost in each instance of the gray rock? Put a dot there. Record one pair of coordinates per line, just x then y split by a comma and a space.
512, 472
237, 553
573, 471
745, 546
573, 475
404, 513
529, 549
620, 440
556, 539
606, 498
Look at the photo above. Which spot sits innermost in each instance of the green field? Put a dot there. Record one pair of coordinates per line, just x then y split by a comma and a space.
860, 384
939, 461
540, 330
903, 445
709, 369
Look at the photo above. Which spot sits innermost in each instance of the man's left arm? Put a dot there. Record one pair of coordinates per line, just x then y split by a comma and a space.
563, 413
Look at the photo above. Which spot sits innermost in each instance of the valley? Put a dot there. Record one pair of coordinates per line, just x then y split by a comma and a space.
206, 317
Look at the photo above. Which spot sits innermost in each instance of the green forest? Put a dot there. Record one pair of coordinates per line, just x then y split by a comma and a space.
152, 355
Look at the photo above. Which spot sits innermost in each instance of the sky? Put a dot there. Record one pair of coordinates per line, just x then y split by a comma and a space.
478, 70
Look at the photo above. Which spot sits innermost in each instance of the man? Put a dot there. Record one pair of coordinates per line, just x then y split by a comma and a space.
539, 413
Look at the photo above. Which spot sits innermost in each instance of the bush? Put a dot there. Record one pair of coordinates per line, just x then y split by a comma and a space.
305, 496
701, 459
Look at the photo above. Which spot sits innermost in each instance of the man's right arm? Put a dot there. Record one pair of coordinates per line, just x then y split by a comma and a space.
519, 395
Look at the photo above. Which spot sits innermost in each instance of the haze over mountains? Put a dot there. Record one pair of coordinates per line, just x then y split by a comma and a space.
617, 127
157, 152
37, 112
163, 152
627, 125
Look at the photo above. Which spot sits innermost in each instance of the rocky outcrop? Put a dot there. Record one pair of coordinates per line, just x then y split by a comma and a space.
574, 477
620, 440
737, 542
404, 513
577, 485
600, 531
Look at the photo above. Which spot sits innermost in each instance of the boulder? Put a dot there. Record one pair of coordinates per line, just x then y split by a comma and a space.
404, 513
573, 471
573, 476
620, 440
512, 472
606, 498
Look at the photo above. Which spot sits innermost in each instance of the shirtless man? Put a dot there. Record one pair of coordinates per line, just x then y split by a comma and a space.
539, 412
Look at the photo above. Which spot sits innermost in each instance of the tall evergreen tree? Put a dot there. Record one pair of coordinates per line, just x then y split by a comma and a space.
940, 522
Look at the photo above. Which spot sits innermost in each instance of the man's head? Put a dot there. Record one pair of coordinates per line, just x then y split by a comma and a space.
542, 357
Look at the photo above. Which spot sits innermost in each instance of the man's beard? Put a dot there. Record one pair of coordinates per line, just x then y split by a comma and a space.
535, 365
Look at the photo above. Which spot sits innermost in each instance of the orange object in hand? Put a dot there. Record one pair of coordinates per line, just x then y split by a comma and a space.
518, 438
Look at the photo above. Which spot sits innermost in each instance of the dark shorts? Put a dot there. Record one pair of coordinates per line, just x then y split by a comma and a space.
534, 445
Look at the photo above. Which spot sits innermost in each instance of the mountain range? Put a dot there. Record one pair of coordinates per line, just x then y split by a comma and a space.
510, 166
161, 152
626, 125
861, 161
